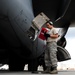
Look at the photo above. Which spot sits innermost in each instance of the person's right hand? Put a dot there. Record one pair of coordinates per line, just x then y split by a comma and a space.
46, 34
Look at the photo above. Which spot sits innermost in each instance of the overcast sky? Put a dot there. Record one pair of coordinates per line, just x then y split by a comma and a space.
71, 33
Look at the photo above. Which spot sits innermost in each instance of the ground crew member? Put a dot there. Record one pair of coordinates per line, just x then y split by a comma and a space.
51, 49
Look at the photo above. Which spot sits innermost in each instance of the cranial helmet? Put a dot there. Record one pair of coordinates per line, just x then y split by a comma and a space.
50, 22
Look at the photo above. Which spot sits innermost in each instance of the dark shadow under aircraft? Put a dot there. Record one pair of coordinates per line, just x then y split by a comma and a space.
16, 16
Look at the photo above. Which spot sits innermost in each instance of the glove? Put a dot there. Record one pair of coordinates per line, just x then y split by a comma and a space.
46, 35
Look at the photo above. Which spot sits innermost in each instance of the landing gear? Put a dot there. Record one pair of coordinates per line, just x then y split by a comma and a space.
41, 61
16, 65
32, 66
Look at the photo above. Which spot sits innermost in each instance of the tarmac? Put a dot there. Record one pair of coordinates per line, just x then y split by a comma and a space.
37, 73
5, 71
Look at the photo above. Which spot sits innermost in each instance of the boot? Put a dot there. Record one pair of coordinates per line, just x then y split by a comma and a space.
47, 70
53, 70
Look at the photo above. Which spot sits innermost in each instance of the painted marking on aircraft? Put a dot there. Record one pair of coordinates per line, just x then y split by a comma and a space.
21, 20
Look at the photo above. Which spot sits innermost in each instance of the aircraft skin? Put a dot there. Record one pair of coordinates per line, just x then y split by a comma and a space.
16, 18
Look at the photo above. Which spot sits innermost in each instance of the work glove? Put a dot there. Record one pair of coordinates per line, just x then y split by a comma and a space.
46, 35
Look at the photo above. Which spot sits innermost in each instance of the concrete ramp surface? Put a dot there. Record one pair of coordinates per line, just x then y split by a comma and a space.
39, 73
